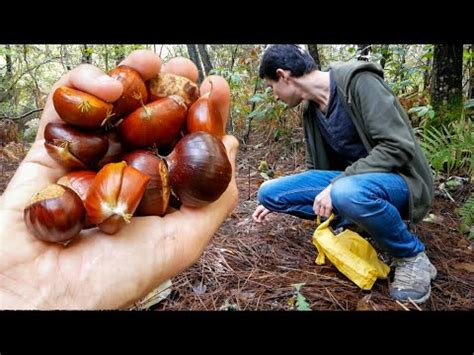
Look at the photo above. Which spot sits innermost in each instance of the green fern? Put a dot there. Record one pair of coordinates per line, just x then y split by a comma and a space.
449, 148
467, 217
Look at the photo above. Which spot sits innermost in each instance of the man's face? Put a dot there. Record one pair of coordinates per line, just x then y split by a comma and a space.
284, 90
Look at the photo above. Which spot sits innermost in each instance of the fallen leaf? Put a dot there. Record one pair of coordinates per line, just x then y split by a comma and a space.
432, 218
463, 243
199, 289
363, 304
243, 295
291, 302
464, 266
154, 297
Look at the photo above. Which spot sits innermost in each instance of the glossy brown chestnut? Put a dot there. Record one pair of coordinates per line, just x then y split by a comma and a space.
156, 124
157, 194
220, 95
134, 92
199, 169
81, 109
72, 148
55, 214
204, 115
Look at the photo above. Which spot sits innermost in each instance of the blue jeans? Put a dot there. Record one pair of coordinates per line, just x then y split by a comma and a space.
375, 202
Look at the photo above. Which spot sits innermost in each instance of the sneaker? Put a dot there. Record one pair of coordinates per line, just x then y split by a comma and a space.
413, 278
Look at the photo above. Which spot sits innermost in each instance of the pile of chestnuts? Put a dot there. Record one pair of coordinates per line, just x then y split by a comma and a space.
156, 148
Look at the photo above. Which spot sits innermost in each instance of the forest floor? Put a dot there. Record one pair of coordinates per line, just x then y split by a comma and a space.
255, 267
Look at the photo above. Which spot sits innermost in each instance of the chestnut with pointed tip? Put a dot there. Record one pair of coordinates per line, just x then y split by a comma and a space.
72, 148
205, 116
220, 94
114, 196
156, 124
81, 109
55, 214
134, 92
157, 194
199, 169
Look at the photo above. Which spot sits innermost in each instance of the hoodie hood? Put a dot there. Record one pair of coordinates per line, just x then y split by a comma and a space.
345, 72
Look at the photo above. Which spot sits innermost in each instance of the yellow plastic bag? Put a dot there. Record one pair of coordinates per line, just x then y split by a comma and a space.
351, 254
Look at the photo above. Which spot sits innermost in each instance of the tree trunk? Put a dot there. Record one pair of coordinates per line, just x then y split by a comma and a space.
471, 73
248, 125
193, 54
36, 90
386, 55
106, 58
234, 57
313, 50
118, 54
5, 81
363, 51
206, 61
86, 55
446, 87
401, 69
64, 57
8, 60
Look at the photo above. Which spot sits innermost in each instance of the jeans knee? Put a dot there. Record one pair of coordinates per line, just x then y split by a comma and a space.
347, 197
265, 195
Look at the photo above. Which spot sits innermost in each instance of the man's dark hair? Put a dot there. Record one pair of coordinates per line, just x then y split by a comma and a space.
287, 57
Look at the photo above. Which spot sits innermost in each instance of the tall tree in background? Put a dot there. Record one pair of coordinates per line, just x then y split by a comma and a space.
446, 82
106, 57
5, 80
65, 57
118, 54
313, 50
206, 61
36, 88
86, 54
427, 72
471, 73
386, 54
193, 54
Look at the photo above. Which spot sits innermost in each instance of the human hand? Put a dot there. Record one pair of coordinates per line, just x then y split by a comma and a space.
322, 205
260, 213
96, 270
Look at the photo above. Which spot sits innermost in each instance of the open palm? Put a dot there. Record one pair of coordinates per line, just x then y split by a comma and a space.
96, 270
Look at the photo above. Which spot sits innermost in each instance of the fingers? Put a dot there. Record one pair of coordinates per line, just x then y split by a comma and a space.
322, 206
84, 77
147, 63
38, 169
94, 81
260, 213
322, 210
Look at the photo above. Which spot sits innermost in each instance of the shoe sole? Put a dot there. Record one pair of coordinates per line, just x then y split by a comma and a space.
422, 299
433, 274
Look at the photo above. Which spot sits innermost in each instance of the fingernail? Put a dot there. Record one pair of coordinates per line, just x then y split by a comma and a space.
105, 79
